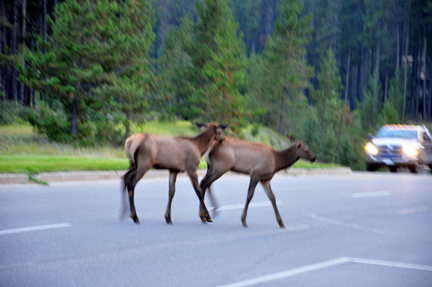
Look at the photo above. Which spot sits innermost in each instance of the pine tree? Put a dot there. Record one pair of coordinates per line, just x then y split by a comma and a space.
212, 17
175, 64
326, 99
96, 59
225, 73
284, 71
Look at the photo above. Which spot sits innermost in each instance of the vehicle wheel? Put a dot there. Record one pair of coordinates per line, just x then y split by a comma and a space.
430, 167
412, 168
371, 167
392, 168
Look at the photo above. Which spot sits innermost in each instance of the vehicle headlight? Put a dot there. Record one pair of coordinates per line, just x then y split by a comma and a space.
371, 148
409, 150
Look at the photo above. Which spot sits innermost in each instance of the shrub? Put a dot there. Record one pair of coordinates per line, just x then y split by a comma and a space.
53, 123
11, 112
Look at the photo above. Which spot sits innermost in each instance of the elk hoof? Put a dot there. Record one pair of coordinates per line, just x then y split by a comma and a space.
245, 225
168, 220
136, 220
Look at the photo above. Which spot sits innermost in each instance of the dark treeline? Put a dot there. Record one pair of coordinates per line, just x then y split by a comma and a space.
326, 70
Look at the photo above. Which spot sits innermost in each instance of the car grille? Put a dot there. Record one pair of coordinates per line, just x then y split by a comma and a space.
389, 150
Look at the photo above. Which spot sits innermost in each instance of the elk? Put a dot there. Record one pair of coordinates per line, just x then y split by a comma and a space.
177, 154
257, 160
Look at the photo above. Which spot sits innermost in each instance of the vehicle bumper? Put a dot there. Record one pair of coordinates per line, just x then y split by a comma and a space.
391, 160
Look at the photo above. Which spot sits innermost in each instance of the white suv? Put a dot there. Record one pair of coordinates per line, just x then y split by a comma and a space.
399, 146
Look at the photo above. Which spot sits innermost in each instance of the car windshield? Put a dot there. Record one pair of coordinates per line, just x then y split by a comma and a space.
390, 133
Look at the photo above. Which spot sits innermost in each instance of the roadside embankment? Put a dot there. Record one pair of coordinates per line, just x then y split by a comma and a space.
50, 177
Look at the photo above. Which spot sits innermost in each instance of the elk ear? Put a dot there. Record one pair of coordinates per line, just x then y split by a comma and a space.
224, 126
200, 125
291, 137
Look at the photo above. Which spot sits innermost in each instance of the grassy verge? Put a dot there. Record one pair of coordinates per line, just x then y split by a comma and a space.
24, 151
47, 163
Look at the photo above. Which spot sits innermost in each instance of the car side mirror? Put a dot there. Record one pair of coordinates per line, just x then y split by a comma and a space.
369, 136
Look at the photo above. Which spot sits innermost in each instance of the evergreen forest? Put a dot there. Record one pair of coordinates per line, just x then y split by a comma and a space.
326, 71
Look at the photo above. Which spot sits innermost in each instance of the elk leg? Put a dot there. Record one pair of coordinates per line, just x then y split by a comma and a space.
126, 177
253, 183
208, 179
172, 181
203, 212
267, 188
214, 202
142, 168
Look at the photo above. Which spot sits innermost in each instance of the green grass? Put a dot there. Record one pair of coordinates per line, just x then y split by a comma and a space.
309, 165
47, 163
21, 139
22, 150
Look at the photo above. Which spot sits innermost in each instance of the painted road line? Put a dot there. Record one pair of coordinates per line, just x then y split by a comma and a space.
352, 225
370, 194
391, 264
34, 228
289, 273
322, 265
241, 206
412, 210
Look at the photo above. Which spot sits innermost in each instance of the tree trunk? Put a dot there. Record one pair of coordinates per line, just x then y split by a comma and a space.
347, 75
361, 86
355, 82
224, 104
74, 120
416, 84
405, 75
24, 30
386, 87
397, 46
430, 92
2, 45
14, 50
282, 110
376, 80
424, 79
127, 124
45, 24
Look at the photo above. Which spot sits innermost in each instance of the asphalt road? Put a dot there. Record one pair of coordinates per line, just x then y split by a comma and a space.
359, 230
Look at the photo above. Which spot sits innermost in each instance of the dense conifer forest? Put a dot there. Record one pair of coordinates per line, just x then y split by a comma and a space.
327, 71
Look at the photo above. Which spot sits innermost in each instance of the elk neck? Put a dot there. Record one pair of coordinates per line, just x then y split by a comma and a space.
286, 158
204, 140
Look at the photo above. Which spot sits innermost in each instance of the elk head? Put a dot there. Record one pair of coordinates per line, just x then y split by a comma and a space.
218, 130
303, 150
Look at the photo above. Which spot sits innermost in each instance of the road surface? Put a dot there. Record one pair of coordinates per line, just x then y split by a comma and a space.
366, 229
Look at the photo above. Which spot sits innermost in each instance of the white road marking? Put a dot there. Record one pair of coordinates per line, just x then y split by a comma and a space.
241, 206
322, 265
288, 273
353, 225
370, 194
34, 228
412, 210
391, 264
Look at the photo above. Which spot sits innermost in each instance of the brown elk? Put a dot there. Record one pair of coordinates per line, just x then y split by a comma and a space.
177, 154
258, 160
